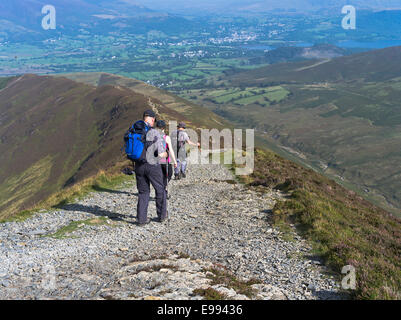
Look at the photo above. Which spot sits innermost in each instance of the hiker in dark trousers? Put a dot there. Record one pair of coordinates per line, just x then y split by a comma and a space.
179, 138
150, 172
167, 167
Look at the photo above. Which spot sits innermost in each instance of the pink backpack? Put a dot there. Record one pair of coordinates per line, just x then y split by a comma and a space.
165, 145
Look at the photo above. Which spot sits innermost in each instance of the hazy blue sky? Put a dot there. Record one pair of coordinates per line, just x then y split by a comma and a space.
265, 5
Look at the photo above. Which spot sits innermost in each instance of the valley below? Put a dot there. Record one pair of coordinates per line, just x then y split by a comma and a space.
345, 125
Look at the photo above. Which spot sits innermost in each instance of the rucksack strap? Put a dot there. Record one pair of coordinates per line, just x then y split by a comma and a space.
178, 143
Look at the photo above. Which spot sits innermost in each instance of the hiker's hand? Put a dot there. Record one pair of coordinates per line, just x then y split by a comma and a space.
175, 165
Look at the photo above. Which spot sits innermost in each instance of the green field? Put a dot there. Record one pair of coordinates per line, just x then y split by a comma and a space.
243, 97
168, 67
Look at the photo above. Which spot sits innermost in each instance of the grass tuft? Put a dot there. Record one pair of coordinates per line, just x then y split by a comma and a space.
224, 277
65, 232
210, 294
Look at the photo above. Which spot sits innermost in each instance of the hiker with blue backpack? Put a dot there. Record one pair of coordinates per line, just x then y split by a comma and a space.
166, 163
144, 146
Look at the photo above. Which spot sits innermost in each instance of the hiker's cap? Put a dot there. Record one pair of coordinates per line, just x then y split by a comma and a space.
149, 113
160, 124
182, 125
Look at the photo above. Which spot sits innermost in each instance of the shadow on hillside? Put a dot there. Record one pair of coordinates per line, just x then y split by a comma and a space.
97, 211
101, 189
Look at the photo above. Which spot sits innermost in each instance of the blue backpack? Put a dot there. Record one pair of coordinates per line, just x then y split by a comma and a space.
135, 141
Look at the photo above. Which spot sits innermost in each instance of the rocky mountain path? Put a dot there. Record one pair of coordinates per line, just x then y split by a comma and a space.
218, 244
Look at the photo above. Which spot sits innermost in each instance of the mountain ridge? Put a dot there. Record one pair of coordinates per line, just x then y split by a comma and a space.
349, 68
76, 129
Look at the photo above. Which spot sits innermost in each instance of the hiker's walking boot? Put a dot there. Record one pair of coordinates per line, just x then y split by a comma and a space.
162, 219
144, 223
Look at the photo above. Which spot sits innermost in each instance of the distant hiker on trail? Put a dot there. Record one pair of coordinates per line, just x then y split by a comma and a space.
167, 168
144, 146
179, 138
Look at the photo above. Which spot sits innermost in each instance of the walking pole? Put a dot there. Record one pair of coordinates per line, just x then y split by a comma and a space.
167, 169
168, 213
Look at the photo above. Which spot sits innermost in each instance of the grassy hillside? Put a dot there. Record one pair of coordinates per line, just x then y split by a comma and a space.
342, 116
344, 228
56, 132
379, 65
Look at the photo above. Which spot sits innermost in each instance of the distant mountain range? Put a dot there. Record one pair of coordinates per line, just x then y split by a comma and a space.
28, 12
21, 19
258, 6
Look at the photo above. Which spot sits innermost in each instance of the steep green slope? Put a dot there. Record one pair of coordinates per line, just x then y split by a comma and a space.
342, 116
55, 132
378, 65
344, 228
